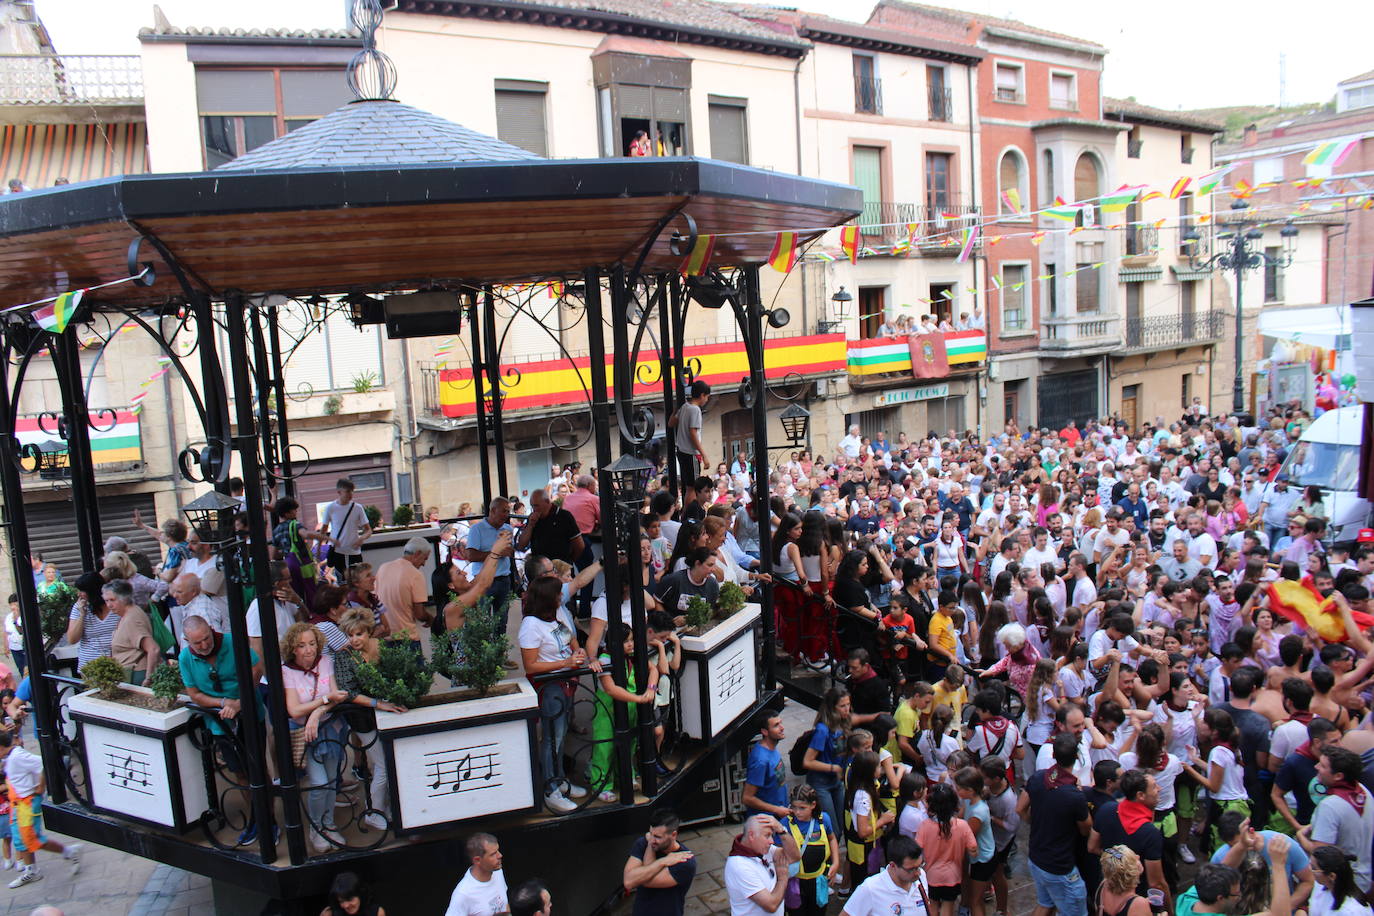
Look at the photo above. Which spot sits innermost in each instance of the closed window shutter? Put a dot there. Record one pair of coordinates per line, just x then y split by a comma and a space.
308, 363
520, 120
353, 351
312, 93
868, 175
634, 101
728, 133
670, 104
236, 92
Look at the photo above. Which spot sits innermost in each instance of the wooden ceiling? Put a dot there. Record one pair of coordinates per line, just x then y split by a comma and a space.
326, 231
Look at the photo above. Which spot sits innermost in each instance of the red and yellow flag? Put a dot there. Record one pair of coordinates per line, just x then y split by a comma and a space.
1179, 188
1242, 190
784, 255
849, 243
699, 258
1304, 605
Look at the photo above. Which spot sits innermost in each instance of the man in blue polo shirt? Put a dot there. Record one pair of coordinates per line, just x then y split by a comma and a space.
765, 782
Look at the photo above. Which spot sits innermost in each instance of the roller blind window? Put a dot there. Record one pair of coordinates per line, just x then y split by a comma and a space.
520, 119
729, 131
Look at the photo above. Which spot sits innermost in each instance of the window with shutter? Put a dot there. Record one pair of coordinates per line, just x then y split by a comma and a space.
1007, 79
728, 130
241, 109
868, 176
1013, 297
1062, 94
353, 352
311, 94
236, 92
520, 119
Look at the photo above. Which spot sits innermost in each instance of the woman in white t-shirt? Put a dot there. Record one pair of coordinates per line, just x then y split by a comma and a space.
1041, 704
1336, 893
911, 804
1150, 756
1221, 774
548, 644
935, 744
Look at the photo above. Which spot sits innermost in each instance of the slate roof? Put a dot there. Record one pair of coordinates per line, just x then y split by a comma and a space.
1130, 110
373, 133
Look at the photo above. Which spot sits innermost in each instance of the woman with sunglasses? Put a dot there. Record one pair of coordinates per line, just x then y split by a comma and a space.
1335, 893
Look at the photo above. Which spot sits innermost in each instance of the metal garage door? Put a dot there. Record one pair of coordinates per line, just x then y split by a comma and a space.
52, 528
371, 473
1068, 396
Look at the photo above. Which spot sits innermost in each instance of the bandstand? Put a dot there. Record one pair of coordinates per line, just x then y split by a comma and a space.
375, 206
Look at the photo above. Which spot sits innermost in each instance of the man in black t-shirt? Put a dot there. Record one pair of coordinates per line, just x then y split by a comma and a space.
1057, 813
870, 694
1130, 823
660, 869
551, 530
1254, 731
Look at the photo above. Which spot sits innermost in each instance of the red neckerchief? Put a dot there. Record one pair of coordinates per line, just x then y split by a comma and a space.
997, 725
1055, 778
1354, 794
1305, 750
737, 848
1133, 815
1304, 717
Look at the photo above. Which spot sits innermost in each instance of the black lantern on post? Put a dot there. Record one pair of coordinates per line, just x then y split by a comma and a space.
629, 482
840, 309
212, 517
52, 459
796, 424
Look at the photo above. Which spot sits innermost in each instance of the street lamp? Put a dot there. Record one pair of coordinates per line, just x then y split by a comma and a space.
629, 481
1239, 256
796, 424
840, 309
212, 517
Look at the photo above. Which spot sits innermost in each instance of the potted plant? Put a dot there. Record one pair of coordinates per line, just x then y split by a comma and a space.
166, 684
374, 517
474, 655
136, 748
402, 516
54, 609
103, 675
400, 675
730, 600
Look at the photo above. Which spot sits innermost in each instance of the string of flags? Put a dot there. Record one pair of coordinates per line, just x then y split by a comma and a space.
164, 365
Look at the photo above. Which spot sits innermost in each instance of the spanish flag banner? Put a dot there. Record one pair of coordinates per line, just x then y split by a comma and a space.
699, 258
784, 255
849, 243
1304, 605
1242, 190
55, 317
1151, 195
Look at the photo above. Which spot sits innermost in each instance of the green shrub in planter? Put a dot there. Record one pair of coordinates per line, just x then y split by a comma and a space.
374, 516
103, 675
402, 516
699, 612
399, 676
166, 683
54, 609
474, 655
731, 599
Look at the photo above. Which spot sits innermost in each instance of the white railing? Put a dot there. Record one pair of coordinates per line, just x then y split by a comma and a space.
70, 79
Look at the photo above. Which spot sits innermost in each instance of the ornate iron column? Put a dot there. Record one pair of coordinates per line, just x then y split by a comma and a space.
668, 306
751, 319
492, 366
601, 426
76, 431
262, 390
288, 477
45, 708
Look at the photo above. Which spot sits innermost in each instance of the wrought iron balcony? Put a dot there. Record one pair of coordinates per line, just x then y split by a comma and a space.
1159, 332
937, 228
70, 79
868, 95
1142, 241
1094, 331
941, 104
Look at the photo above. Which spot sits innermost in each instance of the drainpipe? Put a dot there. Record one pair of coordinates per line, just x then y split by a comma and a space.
409, 432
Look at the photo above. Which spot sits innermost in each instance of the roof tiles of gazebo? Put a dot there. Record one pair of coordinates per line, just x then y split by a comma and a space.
370, 229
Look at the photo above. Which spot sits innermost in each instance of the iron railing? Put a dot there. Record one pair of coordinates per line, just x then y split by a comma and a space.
1141, 240
70, 79
1162, 331
883, 222
868, 95
941, 104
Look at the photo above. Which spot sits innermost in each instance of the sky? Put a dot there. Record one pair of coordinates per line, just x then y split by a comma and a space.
1167, 53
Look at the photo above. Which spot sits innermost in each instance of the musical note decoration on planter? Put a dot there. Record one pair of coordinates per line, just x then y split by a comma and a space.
462, 769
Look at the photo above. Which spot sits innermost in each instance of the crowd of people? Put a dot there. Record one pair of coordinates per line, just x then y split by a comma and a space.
1076, 634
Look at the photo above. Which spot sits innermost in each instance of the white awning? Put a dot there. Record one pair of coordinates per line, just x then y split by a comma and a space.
1326, 326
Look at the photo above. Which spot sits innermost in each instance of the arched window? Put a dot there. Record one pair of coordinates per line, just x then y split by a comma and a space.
1012, 183
1087, 186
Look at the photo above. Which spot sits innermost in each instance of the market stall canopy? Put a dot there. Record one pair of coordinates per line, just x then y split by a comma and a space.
1325, 326
303, 231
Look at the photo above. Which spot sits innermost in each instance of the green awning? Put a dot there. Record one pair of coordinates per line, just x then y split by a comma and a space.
1139, 274
1188, 273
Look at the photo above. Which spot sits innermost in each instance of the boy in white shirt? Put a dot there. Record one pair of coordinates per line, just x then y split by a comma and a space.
24, 773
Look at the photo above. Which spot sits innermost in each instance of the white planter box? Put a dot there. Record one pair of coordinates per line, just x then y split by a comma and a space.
141, 763
454, 761
719, 680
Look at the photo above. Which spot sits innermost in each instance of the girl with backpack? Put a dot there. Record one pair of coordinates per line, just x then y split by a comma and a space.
863, 823
808, 888
826, 752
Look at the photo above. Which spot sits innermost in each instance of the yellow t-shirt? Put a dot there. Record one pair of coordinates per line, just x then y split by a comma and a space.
940, 634
955, 700
906, 728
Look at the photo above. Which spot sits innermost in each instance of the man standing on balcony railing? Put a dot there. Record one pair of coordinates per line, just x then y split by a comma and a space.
686, 425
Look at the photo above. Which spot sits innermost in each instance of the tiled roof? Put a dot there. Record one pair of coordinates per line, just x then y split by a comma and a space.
824, 28
1131, 110
1358, 79
967, 17
377, 133
699, 17
173, 32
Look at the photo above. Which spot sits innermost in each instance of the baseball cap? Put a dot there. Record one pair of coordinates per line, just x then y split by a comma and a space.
1366, 536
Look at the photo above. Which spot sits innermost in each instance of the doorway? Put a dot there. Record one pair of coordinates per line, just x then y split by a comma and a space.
1130, 398
871, 310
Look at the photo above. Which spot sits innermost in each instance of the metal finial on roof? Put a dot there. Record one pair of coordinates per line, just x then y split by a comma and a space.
371, 74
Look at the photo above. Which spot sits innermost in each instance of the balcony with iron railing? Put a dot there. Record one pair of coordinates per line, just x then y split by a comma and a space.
1160, 332
935, 229
941, 104
70, 79
1142, 244
868, 95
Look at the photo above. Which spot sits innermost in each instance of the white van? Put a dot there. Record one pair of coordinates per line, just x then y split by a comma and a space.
1328, 456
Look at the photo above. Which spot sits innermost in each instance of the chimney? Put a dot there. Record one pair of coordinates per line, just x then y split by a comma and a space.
1251, 135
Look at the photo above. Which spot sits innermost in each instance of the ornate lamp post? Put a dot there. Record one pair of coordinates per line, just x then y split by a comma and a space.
1238, 256
212, 517
796, 424
840, 310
